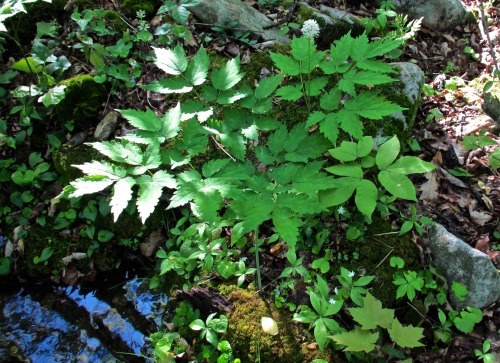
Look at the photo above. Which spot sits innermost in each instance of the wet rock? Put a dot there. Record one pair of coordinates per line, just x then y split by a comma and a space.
152, 243
465, 265
106, 127
440, 15
249, 19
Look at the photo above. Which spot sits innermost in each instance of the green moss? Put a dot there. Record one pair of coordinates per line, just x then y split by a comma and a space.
68, 155
80, 107
380, 244
245, 332
130, 7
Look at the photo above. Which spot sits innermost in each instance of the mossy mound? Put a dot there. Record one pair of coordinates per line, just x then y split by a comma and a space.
81, 104
246, 336
380, 244
130, 7
68, 155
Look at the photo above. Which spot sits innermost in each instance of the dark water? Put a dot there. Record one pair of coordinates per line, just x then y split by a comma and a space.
64, 324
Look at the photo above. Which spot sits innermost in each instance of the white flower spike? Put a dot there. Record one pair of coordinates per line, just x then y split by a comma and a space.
310, 29
269, 325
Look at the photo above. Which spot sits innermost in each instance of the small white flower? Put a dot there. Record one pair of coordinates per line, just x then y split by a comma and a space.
332, 301
336, 291
269, 326
202, 256
244, 259
310, 29
350, 274
341, 210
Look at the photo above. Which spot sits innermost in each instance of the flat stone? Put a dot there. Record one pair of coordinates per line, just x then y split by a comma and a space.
106, 127
466, 265
249, 19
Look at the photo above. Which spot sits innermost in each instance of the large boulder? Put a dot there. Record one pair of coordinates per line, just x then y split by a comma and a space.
249, 20
463, 264
440, 15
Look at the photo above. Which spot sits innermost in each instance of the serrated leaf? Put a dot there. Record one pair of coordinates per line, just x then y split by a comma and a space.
89, 185
143, 120
287, 226
315, 86
398, 185
365, 146
330, 127
290, 92
366, 197
406, 337
372, 314
228, 76
168, 86
150, 190
350, 123
314, 118
304, 50
171, 61
53, 96
267, 86
120, 152
387, 153
375, 65
330, 101
286, 64
367, 78
170, 122
382, 46
102, 168
371, 106
213, 166
122, 193
275, 141
357, 340
197, 70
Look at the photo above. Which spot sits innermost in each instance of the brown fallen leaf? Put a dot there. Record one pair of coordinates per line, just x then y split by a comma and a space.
429, 189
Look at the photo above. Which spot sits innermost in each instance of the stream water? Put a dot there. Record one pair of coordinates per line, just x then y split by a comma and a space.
110, 323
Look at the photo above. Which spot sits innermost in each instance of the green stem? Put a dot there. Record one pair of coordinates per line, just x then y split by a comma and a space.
308, 95
257, 263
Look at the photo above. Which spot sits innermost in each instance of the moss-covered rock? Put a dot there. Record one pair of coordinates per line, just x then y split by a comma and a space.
81, 104
246, 336
68, 155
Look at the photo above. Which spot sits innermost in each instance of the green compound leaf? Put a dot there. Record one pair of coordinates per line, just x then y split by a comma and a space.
171, 61
345, 188
329, 127
287, 226
347, 151
387, 153
357, 340
406, 337
314, 87
398, 185
330, 101
228, 76
286, 64
372, 314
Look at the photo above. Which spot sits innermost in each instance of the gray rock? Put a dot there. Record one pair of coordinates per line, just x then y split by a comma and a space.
152, 243
465, 265
106, 127
438, 14
249, 19
491, 104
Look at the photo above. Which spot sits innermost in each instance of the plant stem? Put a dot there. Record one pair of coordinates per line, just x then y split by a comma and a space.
257, 264
308, 88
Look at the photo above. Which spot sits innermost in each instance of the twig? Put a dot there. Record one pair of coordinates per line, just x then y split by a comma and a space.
220, 146
287, 17
487, 33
